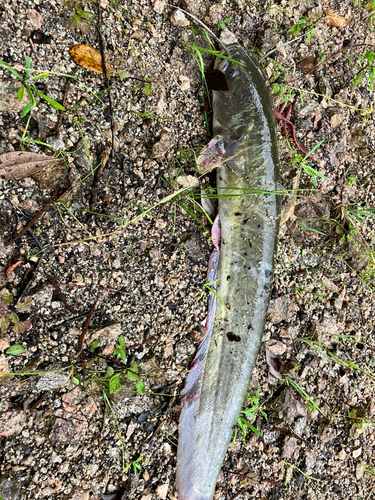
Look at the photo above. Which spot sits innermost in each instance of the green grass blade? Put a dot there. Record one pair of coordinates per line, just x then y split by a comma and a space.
53, 103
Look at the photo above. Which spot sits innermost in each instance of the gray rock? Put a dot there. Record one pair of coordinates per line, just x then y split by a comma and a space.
9, 488
52, 381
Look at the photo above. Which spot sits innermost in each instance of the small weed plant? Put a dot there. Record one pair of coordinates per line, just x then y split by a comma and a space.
81, 18
250, 414
10, 319
29, 84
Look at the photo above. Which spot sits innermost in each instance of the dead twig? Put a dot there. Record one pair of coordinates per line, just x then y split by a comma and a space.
135, 346
84, 331
61, 296
97, 176
106, 81
50, 200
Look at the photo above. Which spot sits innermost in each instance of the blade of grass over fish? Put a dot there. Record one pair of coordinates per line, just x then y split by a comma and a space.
200, 209
215, 53
248, 192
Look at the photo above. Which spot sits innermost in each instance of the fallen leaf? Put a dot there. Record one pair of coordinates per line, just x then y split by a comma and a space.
307, 65
20, 164
333, 19
273, 366
88, 57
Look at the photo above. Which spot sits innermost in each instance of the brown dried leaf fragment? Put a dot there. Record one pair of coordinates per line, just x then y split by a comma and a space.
20, 164
88, 57
273, 365
333, 19
13, 264
308, 65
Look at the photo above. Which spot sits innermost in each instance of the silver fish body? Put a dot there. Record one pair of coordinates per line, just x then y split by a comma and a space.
243, 119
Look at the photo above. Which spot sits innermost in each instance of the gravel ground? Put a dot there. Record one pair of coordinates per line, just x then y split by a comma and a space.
63, 435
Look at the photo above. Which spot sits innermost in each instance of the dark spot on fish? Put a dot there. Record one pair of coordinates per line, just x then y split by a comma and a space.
228, 278
267, 272
250, 244
250, 327
233, 338
266, 286
258, 225
249, 268
245, 253
245, 221
237, 213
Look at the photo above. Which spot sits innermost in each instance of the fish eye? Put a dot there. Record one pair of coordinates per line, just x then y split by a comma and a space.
232, 72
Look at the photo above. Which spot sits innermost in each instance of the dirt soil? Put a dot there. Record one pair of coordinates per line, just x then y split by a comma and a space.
101, 265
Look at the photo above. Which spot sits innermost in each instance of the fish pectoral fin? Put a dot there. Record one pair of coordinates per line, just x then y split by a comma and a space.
211, 156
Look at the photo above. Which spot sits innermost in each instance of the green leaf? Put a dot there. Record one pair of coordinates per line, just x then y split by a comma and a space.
8, 298
9, 68
251, 427
15, 350
14, 318
85, 15
131, 376
20, 93
110, 372
4, 323
94, 345
28, 66
140, 387
134, 367
148, 89
53, 103
26, 109
370, 56
114, 383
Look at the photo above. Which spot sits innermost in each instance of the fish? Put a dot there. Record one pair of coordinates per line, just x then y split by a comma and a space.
241, 266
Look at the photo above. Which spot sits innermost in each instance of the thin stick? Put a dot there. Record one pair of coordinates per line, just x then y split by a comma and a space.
84, 331
61, 296
39, 214
106, 82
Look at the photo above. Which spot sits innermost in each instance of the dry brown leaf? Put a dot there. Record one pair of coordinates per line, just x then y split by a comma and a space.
272, 362
20, 164
88, 57
307, 65
333, 19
